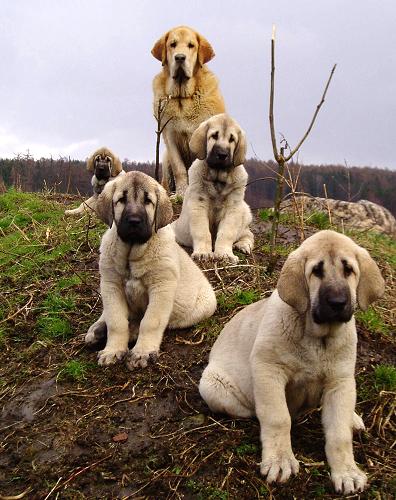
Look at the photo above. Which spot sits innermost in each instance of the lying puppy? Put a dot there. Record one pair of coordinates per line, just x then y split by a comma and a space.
214, 206
189, 93
297, 349
104, 165
147, 281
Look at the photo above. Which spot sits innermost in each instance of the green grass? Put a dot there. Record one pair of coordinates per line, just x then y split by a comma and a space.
319, 219
373, 321
76, 370
54, 327
247, 449
267, 215
238, 298
385, 377
206, 492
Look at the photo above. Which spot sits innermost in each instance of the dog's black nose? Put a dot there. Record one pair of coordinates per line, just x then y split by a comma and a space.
222, 156
133, 220
337, 302
180, 58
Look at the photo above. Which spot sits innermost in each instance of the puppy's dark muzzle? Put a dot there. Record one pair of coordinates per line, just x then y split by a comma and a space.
102, 173
133, 227
334, 306
219, 158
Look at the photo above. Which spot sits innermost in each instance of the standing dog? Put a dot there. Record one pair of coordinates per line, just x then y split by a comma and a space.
297, 349
214, 206
190, 94
105, 166
147, 281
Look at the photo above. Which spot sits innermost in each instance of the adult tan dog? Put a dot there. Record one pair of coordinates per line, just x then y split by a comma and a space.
214, 204
191, 94
147, 281
105, 166
296, 349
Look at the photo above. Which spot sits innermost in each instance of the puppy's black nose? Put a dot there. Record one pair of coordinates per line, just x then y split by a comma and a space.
222, 156
180, 58
337, 302
133, 220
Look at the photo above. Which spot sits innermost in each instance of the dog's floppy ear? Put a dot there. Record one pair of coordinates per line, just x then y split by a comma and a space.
163, 210
116, 167
205, 50
240, 150
198, 141
159, 49
90, 163
292, 285
104, 203
371, 284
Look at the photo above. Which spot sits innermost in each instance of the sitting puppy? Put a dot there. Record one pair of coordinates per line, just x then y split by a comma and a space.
214, 205
147, 281
297, 349
104, 165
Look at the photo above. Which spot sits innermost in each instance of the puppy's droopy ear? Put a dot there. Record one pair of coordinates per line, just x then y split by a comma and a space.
159, 49
371, 284
90, 163
104, 203
163, 210
205, 50
116, 167
292, 285
240, 150
198, 141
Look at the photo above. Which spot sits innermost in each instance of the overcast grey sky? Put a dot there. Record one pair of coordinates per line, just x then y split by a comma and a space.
76, 75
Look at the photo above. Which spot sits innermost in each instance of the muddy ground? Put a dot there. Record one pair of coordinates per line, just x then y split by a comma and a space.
147, 434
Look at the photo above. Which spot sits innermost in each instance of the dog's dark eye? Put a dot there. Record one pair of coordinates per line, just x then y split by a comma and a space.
348, 269
215, 136
147, 199
190, 45
173, 44
318, 270
232, 138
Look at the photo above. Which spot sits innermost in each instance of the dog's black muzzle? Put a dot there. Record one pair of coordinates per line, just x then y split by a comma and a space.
133, 226
102, 172
219, 158
334, 305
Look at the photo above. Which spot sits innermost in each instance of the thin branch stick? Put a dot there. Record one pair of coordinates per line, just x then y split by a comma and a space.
271, 108
294, 151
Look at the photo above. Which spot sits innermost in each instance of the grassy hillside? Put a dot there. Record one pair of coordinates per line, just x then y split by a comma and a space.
70, 429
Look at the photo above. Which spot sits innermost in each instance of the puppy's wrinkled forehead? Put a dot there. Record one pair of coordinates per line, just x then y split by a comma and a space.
183, 36
134, 188
224, 129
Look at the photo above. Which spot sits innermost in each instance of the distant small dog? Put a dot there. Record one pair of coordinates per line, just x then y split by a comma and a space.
296, 350
192, 95
147, 281
214, 217
105, 166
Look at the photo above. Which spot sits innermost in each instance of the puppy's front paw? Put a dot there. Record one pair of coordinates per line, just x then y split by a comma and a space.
202, 256
96, 333
349, 480
110, 356
279, 467
244, 247
226, 255
138, 359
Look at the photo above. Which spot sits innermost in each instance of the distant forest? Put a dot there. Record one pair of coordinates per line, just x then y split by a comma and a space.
65, 175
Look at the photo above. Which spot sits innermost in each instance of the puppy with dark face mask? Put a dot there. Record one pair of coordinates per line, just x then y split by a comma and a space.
297, 350
147, 281
214, 217
105, 166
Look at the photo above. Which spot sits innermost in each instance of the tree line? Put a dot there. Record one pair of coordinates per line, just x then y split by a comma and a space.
65, 175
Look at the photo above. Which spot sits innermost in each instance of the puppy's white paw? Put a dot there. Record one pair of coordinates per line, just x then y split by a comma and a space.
244, 247
279, 467
96, 333
138, 359
349, 480
202, 256
226, 255
358, 424
110, 356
